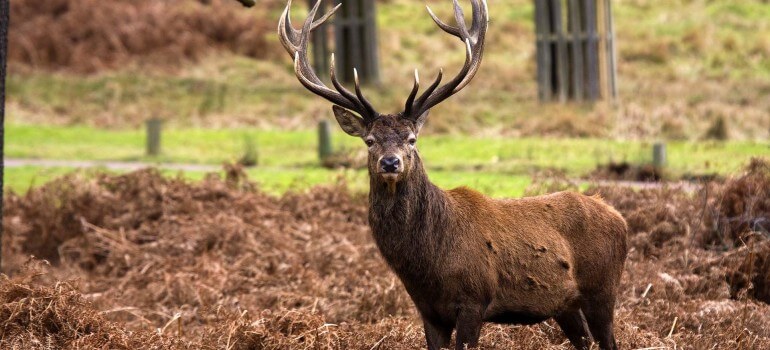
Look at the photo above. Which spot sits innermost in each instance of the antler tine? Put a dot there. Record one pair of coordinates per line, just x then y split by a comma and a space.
345, 92
478, 34
364, 101
323, 18
460, 19
449, 88
421, 101
307, 27
286, 32
477, 19
296, 44
413, 94
474, 50
447, 28
319, 89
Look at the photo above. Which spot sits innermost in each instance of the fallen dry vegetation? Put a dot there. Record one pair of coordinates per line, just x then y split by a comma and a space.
143, 261
92, 35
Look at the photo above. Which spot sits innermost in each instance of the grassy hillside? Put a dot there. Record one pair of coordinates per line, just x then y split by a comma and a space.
683, 66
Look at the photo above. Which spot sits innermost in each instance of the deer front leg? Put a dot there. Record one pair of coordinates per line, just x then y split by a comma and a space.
469, 320
436, 334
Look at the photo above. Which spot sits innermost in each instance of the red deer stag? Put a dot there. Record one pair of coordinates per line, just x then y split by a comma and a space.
464, 258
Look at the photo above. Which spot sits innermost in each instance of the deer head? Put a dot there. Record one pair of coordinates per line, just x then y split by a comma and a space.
390, 138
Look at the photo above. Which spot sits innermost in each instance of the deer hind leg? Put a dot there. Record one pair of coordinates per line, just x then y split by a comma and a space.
469, 321
437, 335
574, 326
599, 312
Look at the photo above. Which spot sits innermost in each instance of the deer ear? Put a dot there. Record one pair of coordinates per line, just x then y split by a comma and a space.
421, 120
351, 124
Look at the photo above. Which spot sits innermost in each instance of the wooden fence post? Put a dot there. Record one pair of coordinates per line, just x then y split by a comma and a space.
355, 30
576, 28
659, 155
543, 42
355, 41
153, 136
324, 140
610, 46
320, 41
575, 50
562, 67
592, 50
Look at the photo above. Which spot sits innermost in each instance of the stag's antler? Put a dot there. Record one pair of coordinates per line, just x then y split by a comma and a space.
296, 41
474, 50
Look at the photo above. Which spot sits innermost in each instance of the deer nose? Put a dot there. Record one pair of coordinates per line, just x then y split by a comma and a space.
390, 164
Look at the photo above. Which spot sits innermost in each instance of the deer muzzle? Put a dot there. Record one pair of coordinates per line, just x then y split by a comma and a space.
390, 167
391, 164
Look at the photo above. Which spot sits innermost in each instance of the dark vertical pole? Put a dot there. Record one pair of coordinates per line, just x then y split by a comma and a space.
561, 50
611, 61
4, 19
577, 49
370, 37
659, 155
354, 28
356, 41
592, 50
324, 140
340, 39
153, 136
543, 43
538, 50
602, 50
320, 43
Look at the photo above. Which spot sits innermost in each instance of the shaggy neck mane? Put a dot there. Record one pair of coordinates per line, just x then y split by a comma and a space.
409, 224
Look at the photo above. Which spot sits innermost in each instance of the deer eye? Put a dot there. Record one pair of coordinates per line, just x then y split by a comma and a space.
369, 142
412, 141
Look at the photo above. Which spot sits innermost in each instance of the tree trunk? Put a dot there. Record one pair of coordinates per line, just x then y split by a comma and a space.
4, 18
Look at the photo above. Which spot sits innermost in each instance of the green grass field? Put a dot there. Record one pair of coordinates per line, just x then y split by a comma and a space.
280, 180
499, 166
